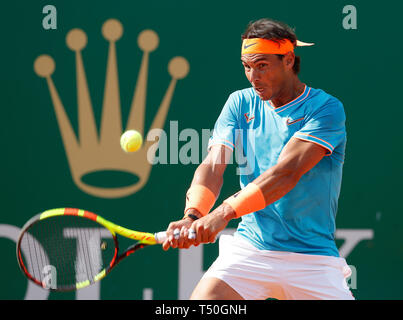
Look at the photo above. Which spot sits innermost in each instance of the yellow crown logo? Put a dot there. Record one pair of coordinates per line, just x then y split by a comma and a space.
93, 152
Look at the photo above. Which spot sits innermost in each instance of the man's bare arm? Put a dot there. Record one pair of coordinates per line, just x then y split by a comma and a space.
211, 171
297, 158
209, 174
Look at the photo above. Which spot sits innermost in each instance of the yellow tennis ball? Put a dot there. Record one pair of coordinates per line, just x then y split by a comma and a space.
131, 141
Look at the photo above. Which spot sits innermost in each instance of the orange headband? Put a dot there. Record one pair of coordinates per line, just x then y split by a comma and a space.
265, 46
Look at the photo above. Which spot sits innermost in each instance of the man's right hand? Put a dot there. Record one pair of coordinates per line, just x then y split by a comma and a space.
182, 241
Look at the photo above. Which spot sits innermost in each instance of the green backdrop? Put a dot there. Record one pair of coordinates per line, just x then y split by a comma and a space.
362, 67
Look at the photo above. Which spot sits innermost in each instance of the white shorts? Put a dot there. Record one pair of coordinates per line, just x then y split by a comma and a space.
261, 274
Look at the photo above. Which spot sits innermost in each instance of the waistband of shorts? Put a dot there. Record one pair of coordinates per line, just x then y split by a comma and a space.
288, 255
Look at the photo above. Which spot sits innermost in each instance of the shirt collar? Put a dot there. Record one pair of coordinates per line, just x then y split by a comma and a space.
290, 105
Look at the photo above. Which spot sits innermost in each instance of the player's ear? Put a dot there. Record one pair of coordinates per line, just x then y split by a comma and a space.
289, 59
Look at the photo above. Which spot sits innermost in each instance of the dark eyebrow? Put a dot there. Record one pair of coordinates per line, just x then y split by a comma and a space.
258, 60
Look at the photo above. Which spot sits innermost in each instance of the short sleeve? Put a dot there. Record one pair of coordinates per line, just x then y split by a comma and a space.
325, 127
225, 128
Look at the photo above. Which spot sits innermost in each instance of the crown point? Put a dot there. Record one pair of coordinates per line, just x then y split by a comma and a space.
148, 40
44, 66
76, 39
112, 30
178, 67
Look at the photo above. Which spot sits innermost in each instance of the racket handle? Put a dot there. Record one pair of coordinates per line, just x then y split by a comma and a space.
160, 237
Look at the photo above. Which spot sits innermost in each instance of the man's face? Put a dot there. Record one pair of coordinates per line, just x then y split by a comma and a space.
267, 73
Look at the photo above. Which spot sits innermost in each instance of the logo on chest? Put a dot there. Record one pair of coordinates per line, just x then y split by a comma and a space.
292, 121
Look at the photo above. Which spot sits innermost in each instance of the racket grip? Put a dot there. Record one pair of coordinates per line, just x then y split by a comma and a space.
160, 237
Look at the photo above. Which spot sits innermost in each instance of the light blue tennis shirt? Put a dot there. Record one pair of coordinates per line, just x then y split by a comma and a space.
302, 221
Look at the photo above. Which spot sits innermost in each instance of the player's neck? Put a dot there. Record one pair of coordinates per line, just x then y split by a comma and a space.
289, 92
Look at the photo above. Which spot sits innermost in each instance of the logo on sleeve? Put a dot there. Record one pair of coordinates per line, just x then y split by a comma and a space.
249, 119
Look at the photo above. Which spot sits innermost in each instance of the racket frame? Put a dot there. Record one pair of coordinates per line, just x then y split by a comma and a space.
144, 239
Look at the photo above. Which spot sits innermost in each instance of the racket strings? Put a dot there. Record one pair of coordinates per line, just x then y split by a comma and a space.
61, 251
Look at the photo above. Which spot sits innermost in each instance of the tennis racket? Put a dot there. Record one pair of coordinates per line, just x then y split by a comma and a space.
68, 249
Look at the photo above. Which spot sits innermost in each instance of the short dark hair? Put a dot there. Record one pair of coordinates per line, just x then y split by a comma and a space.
275, 31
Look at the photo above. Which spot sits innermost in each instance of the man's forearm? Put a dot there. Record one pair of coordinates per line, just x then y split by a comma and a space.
209, 176
264, 190
211, 171
276, 182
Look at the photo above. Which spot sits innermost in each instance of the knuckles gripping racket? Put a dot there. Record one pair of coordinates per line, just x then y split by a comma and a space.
67, 249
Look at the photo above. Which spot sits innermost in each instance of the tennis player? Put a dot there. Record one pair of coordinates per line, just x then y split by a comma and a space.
293, 138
